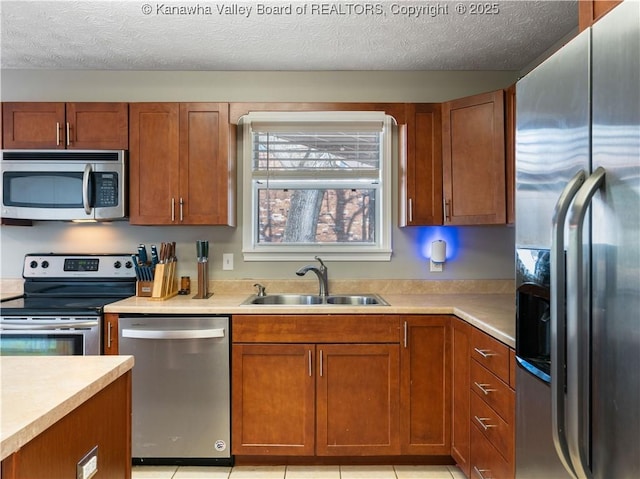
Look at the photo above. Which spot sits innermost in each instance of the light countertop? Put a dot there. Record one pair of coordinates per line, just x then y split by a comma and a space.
492, 313
38, 391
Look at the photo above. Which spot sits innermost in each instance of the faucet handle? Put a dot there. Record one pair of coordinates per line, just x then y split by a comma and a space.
319, 260
261, 289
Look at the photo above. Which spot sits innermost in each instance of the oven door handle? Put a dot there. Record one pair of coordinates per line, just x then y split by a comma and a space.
173, 334
21, 326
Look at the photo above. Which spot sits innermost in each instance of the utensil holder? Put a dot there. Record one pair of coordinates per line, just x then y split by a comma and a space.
203, 280
165, 282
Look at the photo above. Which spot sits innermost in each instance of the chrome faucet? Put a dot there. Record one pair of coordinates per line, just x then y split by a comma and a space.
322, 273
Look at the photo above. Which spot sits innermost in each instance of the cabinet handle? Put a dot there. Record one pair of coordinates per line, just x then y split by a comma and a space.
310, 365
406, 334
181, 207
57, 133
173, 209
68, 134
321, 365
484, 388
481, 421
485, 353
481, 471
410, 210
109, 326
447, 210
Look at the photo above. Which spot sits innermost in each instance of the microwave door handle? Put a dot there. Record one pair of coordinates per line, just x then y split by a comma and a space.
558, 319
85, 188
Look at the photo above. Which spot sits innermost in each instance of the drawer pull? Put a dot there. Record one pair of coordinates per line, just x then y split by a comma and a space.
485, 353
484, 388
481, 472
481, 421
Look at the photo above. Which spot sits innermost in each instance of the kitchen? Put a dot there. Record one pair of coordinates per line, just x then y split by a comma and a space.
477, 253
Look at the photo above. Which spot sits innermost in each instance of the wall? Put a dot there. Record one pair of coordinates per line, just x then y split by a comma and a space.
475, 252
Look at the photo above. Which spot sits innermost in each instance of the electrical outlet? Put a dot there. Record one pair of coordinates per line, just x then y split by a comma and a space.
435, 267
227, 261
88, 465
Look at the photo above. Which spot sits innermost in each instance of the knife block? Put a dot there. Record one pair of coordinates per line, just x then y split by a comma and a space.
203, 280
165, 282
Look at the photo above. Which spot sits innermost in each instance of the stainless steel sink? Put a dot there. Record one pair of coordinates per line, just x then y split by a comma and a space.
311, 300
357, 299
285, 299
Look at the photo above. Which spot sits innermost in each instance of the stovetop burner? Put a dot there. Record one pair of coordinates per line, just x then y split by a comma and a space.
71, 284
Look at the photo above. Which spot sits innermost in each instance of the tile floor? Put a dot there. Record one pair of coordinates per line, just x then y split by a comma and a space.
298, 472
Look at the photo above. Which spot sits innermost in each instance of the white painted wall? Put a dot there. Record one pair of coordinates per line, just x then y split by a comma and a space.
481, 252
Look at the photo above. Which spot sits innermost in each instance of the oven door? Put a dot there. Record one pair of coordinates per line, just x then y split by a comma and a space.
47, 337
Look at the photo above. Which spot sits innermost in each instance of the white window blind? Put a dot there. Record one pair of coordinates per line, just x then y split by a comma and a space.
314, 183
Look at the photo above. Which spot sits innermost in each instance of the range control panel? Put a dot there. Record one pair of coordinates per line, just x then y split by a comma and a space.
52, 265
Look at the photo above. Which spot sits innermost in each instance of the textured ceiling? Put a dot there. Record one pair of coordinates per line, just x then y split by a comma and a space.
302, 35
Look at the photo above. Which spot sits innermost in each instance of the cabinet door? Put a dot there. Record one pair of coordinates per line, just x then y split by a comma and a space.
510, 152
461, 412
207, 177
33, 125
474, 160
273, 390
421, 170
110, 333
97, 126
153, 163
358, 399
426, 386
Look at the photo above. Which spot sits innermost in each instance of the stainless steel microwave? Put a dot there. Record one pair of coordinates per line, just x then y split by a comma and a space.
63, 184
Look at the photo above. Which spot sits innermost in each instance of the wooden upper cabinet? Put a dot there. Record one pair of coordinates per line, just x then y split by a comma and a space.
153, 162
97, 126
421, 166
510, 152
473, 150
590, 11
46, 125
181, 165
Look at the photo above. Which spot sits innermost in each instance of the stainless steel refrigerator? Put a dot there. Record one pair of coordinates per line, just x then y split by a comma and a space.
578, 257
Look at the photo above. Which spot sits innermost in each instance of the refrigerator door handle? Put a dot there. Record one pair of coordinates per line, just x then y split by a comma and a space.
578, 332
558, 319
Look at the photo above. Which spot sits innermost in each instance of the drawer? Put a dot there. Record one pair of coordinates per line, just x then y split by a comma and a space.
494, 392
491, 353
494, 428
486, 461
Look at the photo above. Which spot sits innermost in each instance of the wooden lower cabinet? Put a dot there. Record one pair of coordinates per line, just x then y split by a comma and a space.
273, 399
357, 400
483, 416
104, 421
315, 399
425, 392
461, 394
487, 461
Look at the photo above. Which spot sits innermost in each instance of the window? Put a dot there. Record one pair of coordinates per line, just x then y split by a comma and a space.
317, 183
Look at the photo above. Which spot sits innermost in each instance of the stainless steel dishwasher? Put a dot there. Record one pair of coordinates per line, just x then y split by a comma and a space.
181, 388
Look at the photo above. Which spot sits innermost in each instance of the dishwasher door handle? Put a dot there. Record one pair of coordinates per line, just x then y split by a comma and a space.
173, 334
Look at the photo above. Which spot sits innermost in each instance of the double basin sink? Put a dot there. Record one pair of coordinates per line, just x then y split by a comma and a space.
316, 300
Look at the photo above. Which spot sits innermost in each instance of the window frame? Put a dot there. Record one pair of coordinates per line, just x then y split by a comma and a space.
379, 251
